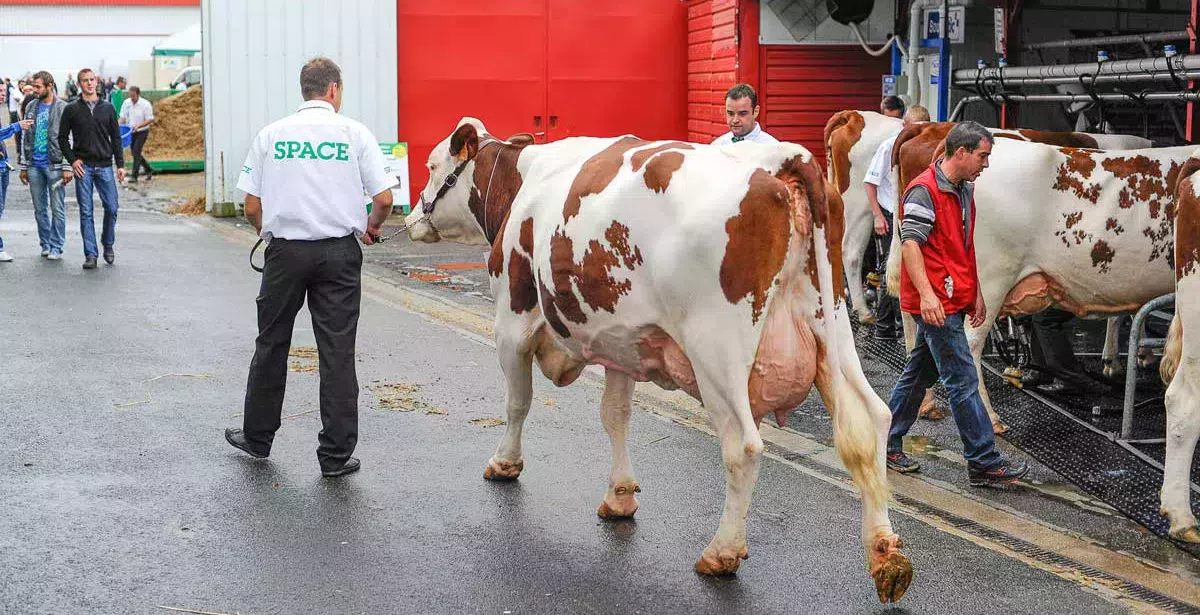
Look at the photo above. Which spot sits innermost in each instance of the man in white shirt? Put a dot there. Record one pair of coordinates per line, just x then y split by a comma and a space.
304, 179
741, 113
881, 194
138, 113
15, 96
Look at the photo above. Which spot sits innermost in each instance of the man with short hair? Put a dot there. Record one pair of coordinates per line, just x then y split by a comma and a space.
113, 91
893, 106
71, 89
138, 113
881, 196
42, 167
939, 286
90, 139
304, 180
741, 114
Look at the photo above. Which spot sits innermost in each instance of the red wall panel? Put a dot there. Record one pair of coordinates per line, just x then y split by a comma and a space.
712, 65
803, 85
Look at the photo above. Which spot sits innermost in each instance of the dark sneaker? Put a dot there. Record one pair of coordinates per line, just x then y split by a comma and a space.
1003, 473
886, 334
89, 262
109, 255
902, 463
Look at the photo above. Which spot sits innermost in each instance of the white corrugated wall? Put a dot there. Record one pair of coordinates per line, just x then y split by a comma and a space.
253, 52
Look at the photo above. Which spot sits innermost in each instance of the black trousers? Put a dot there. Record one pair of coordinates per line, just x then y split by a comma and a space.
887, 310
1051, 344
137, 142
328, 272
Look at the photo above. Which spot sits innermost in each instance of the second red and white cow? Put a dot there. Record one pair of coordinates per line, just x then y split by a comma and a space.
1088, 231
707, 269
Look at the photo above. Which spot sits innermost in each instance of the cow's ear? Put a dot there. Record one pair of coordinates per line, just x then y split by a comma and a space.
464, 143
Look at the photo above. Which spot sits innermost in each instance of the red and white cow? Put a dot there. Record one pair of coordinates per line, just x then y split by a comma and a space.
1088, 231
851, 139
1180, 366
708, 269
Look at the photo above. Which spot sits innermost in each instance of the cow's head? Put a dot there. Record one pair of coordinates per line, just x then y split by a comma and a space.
444, 211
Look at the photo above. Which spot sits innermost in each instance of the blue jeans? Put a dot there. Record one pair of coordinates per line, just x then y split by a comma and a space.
105, 181
49, 208
3, 192
944, 350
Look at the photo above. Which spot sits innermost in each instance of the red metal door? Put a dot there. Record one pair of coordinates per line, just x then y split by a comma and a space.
459, 58
617, 67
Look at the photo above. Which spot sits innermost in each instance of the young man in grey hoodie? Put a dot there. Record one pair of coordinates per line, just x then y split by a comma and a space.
42, 165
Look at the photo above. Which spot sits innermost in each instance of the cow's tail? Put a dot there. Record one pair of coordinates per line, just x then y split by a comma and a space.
894, 259
854, 434
1172, 351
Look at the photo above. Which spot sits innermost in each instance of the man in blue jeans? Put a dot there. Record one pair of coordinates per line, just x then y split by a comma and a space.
42, 167
91, 141
939, 286
5, 133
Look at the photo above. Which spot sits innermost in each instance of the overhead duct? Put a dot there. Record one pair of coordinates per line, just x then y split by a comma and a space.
1177, 64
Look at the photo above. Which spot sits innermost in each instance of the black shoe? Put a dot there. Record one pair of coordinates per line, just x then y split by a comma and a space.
89, 262
109, 255
886, 334
237, 438
899, 462
1002, 473
352, 465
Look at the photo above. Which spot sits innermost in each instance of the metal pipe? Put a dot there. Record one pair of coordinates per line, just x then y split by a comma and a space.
1124, 39
1070, 98
1131, 364
913, 92
1118, 78
1115, 67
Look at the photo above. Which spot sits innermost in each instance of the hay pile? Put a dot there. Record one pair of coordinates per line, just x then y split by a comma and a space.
191, 207
178, 129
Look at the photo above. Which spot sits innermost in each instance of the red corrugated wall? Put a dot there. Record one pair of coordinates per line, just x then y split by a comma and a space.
803, 85
712, 65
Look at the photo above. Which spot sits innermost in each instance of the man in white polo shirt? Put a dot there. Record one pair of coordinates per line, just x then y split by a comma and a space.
305, 179
138, 114
881, 194
741, 114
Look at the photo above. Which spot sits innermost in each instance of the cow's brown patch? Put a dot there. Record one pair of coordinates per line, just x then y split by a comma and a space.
1005, 135
595, 174
639, 158
660, 169
842, 132
496, 260
496, 182
1102, 255
593, 274
1073, 218
1187, 221
914, 150
1146, 183
1112, 224
1073, 173
618, 237
758, 242
1061, 139
522, 290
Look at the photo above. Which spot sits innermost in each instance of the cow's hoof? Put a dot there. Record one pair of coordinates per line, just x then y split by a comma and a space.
1114, 370
932, 412
999, 428
890, 568
1186, 531
721, 563
502, 469
620, 502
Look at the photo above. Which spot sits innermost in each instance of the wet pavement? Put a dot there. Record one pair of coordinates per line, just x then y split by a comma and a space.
119, 494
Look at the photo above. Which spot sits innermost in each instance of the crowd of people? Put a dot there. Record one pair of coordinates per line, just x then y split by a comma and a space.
66, 134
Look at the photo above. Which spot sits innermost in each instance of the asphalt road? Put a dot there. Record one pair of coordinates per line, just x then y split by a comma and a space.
118, 493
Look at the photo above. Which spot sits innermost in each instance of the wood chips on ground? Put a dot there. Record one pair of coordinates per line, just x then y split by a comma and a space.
178, 129
402, 398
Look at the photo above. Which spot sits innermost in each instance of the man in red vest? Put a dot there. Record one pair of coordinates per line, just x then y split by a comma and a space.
939, 286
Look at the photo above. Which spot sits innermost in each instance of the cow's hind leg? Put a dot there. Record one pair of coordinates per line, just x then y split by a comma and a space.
861, 421
722, 374
1183, 429
514, 347
620, 500
1112, 345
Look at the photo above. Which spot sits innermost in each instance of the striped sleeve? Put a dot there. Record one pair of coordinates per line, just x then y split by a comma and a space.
918, 215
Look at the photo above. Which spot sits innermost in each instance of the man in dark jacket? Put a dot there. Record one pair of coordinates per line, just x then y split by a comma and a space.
42, 166
91, 124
